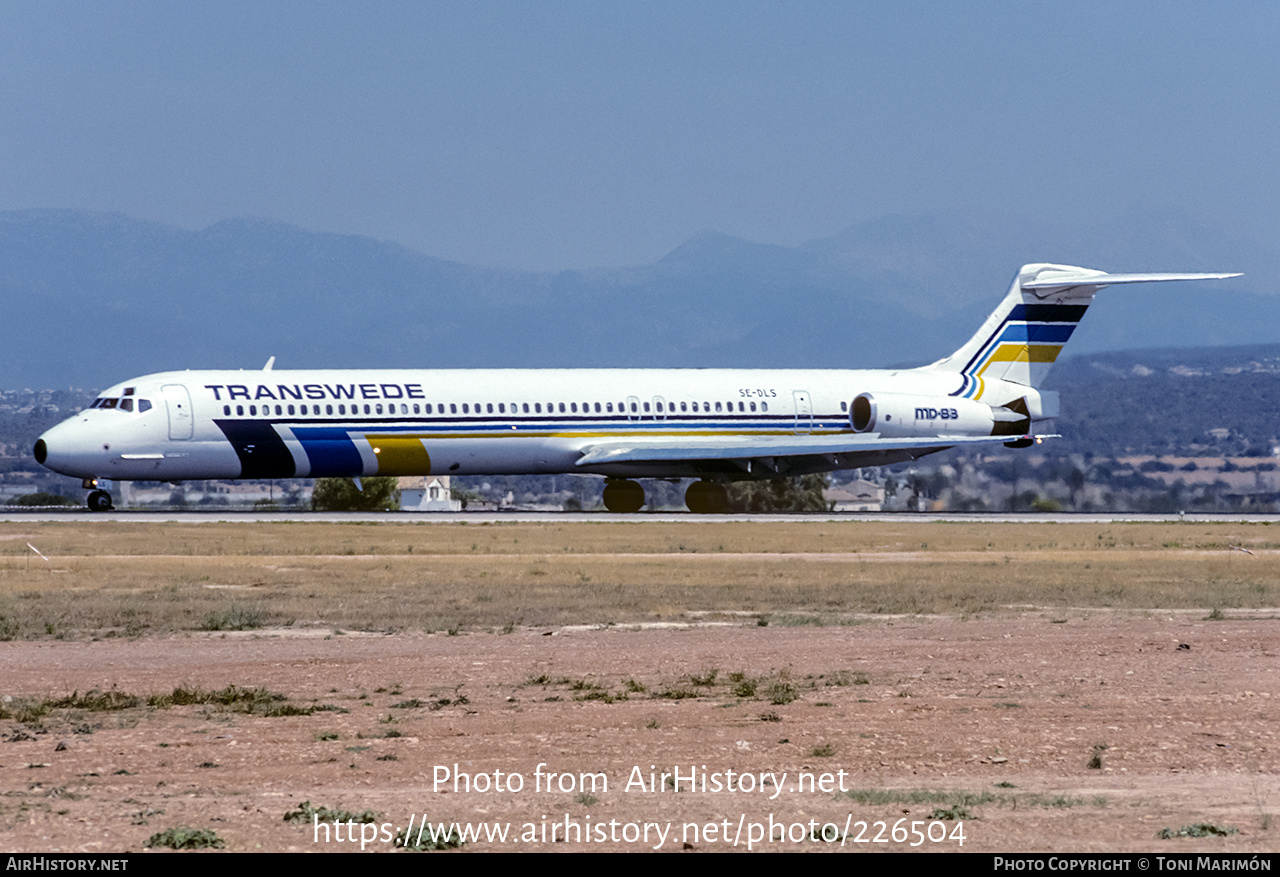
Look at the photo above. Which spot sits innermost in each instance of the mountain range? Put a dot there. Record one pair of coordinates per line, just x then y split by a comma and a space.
94, 298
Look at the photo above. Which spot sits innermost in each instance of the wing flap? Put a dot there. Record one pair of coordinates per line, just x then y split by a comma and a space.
768, 447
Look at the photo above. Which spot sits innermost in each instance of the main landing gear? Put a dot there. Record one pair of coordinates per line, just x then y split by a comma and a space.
702, 497
707, 498
623, 497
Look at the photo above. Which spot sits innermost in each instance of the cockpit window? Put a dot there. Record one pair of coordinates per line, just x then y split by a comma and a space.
125, 404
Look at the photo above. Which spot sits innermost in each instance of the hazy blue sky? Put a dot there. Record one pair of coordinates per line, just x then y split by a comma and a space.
562, 134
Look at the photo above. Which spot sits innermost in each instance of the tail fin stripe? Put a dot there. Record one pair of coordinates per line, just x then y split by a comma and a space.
1022, 333
974, 384
1036, 333
1048, 313
1023, 353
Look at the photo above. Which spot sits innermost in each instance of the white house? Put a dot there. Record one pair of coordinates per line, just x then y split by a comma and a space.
427, 494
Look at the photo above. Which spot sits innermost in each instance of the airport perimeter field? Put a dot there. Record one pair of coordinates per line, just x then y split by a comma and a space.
1032, 687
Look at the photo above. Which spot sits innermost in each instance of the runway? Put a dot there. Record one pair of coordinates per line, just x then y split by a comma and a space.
249, 516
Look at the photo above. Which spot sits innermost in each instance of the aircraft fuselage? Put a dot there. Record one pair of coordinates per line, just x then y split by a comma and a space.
359, 423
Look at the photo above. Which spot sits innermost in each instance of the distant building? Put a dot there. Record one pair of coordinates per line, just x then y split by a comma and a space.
856, 496
431, 493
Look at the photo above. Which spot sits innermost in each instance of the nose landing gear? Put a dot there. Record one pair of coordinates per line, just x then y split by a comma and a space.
99, 501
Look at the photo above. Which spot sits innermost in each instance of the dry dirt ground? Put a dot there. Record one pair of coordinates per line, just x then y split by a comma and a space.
1041, 731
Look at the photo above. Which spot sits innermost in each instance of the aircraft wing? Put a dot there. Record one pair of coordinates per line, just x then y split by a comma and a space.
772, 452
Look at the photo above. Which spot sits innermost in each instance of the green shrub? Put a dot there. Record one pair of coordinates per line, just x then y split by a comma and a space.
187, 839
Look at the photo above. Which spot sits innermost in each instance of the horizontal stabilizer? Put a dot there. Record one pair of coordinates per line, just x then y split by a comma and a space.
1084, 277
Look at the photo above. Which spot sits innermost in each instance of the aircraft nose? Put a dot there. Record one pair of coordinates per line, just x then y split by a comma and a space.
66, 450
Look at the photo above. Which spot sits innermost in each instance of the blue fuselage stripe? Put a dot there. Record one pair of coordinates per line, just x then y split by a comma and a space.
330, 451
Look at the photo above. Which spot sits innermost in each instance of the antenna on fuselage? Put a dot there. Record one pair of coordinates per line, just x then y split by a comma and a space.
270, 363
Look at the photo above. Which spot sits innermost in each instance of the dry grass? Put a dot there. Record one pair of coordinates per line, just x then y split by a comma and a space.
130, 579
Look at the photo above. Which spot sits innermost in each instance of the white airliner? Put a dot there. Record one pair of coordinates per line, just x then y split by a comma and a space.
715, 425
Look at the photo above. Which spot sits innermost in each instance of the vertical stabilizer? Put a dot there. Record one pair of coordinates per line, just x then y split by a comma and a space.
1022, 338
